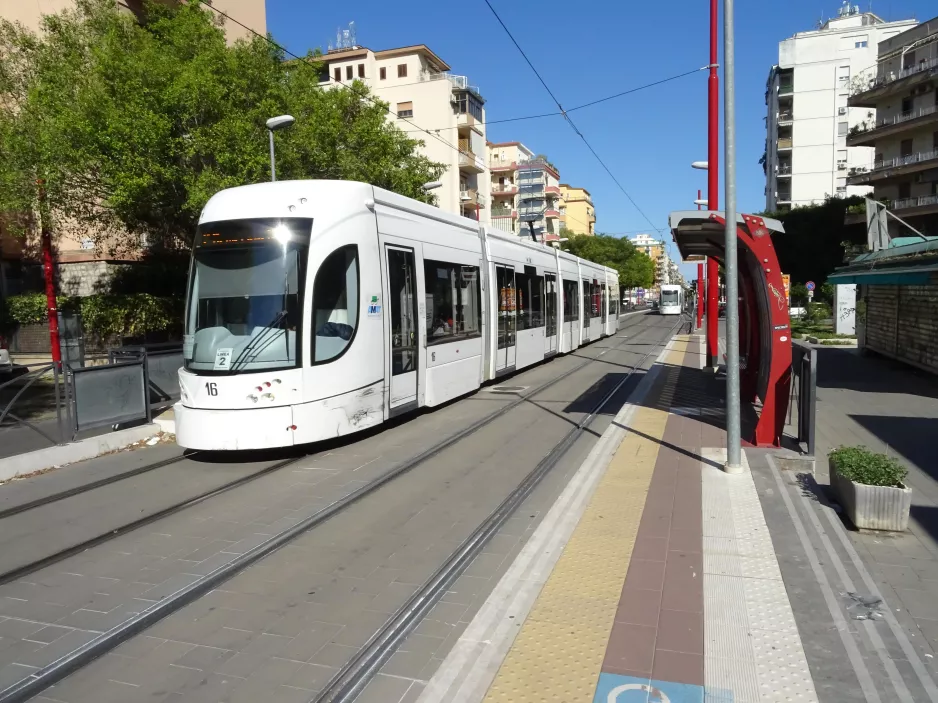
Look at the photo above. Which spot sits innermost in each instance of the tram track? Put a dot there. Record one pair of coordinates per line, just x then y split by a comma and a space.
351, 679
57, 670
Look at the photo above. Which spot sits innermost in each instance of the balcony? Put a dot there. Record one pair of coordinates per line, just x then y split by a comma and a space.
502, 166
554, 190
889, 168
786, 88
470, 162
785, 118
504, 188
866, 133
468, 196
504, 212
929, 204
531, 213
551, 213
465, 120
458, 82
784, 143
871, 85
783, 170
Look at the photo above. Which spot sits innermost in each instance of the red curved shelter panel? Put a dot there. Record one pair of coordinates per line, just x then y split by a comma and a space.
764, 328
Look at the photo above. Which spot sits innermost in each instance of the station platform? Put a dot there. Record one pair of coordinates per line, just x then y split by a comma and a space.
659, 578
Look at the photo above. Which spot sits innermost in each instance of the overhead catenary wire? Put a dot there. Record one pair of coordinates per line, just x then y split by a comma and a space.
584, 105
570, 121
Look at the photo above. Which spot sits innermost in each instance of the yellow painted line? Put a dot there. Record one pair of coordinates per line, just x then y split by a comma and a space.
558, 654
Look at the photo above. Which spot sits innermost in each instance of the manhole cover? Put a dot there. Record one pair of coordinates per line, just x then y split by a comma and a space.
508, 389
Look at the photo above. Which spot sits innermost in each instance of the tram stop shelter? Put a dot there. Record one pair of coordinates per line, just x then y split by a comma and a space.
764, 335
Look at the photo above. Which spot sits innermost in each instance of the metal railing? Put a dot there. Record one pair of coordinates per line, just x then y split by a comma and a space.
879, 77
131, 383
33, 375
802, 401
783, 169
920, 201
504, 188
895, 162
784, 142
785, 117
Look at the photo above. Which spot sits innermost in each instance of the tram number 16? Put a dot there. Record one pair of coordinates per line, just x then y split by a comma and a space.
211, 388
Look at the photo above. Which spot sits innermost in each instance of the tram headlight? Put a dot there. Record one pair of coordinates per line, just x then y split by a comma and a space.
282, 233
268, 396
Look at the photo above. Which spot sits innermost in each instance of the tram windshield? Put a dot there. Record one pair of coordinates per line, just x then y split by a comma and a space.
669, 297
246, 295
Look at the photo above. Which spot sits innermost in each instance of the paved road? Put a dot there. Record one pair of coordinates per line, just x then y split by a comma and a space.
281, 628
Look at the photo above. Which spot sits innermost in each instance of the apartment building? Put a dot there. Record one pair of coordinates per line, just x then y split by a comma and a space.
525, 192
809, 117
82, 260
577, 211
901, 92
252, 13
423, 94
655, 250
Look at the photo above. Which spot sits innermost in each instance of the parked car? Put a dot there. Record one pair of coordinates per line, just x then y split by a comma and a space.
6, 366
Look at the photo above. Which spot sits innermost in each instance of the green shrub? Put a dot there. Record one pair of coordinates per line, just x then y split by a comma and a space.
861, 465
819, 311
103, 316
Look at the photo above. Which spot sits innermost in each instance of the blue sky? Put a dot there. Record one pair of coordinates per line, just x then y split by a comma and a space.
586, 50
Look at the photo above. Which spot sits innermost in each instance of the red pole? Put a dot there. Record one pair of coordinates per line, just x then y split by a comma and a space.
700, 294
713, 188
48, 270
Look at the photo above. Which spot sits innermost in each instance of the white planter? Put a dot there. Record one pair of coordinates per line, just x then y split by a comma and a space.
873, 507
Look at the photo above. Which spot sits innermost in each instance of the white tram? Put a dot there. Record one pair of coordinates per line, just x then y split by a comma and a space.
671, 301
320, 308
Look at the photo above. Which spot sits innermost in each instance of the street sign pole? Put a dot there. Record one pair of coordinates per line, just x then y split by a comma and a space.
733, 434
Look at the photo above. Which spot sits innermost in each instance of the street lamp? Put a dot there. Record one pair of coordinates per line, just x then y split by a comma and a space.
432, 185
700, 165
273, 124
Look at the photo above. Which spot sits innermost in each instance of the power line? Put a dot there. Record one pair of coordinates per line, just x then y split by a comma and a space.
570, 120
580, 107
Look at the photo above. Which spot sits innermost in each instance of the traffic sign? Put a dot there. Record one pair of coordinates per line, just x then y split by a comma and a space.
809, 285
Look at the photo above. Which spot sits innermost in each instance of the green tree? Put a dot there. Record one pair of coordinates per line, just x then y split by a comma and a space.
133, 125
635, 268
812, 245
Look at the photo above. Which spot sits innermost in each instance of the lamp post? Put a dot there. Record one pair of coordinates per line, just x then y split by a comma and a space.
273, 124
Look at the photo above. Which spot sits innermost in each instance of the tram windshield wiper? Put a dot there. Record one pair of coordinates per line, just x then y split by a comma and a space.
256, 339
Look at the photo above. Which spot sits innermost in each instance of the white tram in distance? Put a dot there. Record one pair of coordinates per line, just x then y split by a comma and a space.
320, 308
671, 301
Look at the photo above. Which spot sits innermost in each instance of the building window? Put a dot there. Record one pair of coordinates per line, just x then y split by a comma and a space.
905, 147
337, 74
859, 45
348, 73
454, 297
402, 70
908, 61
841, 129
905, 190
468, 104
405, 109
906, 106
382, 73
361, 70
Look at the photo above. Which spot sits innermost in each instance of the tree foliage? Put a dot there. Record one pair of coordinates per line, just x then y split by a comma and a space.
134, 123
812, 245
636, 269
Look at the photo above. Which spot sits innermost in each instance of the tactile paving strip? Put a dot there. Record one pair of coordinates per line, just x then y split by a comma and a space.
558, 653
752, 650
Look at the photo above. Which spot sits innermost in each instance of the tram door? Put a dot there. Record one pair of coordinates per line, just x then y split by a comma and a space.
505, 284
587, 306
550, 310
402, 301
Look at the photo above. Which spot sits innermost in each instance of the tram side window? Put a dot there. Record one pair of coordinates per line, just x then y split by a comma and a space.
335, 304
570, 296
530, 294
603, 299
454, 301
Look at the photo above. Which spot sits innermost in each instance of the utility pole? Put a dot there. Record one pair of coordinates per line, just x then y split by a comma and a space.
48, 271
733, 463
713, 186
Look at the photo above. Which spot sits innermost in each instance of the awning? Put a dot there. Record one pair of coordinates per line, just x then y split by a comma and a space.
904, 276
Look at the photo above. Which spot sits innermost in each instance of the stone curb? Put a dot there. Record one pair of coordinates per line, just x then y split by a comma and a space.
51, 457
